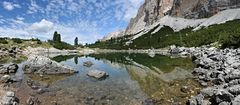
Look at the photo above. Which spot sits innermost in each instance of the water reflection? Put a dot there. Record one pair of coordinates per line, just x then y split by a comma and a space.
76, 60
133, 79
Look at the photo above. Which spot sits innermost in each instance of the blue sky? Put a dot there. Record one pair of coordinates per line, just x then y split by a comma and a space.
88, 20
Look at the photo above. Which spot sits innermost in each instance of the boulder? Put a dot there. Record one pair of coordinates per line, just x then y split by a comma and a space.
236, 100
33, 101
3, 70
175, 51
43, 65
97, 74
12, 68
197, 100
224, 103
87, 63
234, 89
9, 99
223, 96
5, 78
30, 101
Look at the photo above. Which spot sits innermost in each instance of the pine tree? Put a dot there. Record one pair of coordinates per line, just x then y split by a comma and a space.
58, 38
76, 41
55, 36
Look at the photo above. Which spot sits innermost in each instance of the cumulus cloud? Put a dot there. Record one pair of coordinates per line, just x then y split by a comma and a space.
34, 8
43, 26
87, 19
10, 6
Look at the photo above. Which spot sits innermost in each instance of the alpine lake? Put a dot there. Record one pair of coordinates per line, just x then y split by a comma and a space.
134, 79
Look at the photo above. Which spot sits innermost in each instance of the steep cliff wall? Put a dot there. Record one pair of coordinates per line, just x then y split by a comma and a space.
153, 10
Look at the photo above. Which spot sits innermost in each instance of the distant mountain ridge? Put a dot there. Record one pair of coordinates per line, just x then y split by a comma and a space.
154, 12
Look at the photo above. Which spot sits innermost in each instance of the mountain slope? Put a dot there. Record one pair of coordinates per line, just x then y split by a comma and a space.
153, 10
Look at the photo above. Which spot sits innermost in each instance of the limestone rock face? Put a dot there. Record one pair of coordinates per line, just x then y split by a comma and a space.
113, 35
153, 10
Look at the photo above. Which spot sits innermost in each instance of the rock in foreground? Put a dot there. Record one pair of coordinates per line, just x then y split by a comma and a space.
6, 69
9, 99
97, 74
43, 65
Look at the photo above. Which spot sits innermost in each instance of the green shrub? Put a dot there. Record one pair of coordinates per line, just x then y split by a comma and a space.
3, 41
16, 40
227, 34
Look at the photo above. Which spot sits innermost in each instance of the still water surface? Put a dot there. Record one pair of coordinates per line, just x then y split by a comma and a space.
134, 79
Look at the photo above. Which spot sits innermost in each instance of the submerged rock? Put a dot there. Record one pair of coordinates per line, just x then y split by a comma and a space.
87, 63
44, 65
97, 74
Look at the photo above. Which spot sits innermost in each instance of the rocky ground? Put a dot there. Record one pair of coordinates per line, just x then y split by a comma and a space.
13, 51
218, 70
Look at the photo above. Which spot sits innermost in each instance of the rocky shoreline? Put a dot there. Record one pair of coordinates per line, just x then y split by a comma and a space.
218, 70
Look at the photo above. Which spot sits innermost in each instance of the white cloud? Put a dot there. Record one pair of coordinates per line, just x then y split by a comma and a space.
10, 6
43, 26
33, 7
129, 9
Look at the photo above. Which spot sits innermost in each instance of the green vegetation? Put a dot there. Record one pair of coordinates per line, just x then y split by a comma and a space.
9, 59
118, 43
226, 34
23, 43
3, 41
56, 37
17, 40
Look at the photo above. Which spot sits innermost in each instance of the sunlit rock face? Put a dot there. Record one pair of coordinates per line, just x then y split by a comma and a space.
153, 10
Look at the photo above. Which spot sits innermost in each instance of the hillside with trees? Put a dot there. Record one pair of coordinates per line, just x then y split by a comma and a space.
226, 35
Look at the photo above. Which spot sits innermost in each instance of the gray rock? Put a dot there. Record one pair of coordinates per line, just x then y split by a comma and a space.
5, 78
224, 103
10, 94
3, 70
30, 101
42, 90
87, 63
44, 65
97, 74
235, 65
9, 99
236, 100
209, 91
223, 96
175, 51
234, 89
12, 68
197, 100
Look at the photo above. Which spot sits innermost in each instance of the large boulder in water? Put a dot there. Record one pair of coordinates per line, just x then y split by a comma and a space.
97, 74
43, 65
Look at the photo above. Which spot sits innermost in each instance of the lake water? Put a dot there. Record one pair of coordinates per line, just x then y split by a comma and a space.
134, 79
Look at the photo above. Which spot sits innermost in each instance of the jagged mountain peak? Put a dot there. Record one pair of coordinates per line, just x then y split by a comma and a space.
177, 14
153, 10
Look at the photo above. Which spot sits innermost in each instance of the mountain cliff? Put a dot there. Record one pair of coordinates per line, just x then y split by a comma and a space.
153, 10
